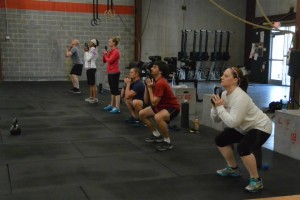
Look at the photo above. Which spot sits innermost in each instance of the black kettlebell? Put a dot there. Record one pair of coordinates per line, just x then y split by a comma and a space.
15, 128
217, 91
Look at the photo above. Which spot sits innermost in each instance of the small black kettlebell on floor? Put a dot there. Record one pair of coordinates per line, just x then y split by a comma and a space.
15, 128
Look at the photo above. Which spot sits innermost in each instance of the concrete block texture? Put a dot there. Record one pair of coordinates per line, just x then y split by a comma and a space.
38, 40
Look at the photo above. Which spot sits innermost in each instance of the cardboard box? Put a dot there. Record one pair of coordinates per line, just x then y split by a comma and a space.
188, 94
287, 133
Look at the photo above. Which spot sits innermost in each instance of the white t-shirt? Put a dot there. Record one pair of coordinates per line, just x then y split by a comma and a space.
90, 58
240, 113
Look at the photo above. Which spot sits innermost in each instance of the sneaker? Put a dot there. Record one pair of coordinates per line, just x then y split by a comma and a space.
131, 120
139, 125
255, 185
115, 110
77, 91
153, 138
94, 101
88, 99
72, 90
164, 146
108, 108
228, 171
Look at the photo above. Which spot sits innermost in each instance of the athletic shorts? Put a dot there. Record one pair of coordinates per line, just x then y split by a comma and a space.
91, 76
248, 142
172, 111
76, 69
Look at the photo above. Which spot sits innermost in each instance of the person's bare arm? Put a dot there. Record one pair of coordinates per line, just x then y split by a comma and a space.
68, 52
153, 99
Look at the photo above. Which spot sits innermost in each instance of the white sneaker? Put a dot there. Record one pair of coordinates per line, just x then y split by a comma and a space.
94, 101
88, 99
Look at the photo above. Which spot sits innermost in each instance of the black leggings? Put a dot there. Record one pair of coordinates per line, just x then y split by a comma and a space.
113, 81
249, 142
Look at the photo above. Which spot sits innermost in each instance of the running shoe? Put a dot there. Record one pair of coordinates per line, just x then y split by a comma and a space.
228, 171
88, 99
153, 138
115, 110
255, 185
77, 91
164, 146
94, 101
108, 108
72, 90
131, 120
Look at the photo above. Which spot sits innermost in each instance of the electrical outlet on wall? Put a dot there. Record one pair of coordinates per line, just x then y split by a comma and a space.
7, 37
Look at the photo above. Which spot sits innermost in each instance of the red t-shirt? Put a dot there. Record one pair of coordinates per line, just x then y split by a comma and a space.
168, 99
112, 59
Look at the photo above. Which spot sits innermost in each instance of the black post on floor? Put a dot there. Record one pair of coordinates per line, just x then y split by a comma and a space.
185, 114
100, 88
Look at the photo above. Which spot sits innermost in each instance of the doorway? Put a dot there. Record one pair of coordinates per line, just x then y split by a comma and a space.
279, 46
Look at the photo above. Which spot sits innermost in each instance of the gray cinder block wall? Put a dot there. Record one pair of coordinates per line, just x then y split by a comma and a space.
38, 40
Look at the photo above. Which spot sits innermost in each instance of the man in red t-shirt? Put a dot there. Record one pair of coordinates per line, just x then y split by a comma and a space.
164, 106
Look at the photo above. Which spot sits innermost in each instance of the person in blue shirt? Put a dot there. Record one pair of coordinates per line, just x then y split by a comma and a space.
133, 94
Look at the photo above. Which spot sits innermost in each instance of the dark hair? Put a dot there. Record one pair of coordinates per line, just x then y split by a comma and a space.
163, 67
116, 40
97, 43
136, 70
242, 80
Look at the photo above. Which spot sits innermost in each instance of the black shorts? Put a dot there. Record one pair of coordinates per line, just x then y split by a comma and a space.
172, 111
91, 76
113, 81
76, 69
252, 140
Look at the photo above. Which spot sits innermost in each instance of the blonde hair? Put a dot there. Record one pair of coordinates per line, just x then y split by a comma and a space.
116, 40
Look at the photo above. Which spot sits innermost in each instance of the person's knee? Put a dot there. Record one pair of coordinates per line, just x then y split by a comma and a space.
158, 117
137, 104
243, 150
142, 114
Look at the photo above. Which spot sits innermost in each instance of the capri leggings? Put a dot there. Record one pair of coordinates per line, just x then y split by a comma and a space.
247, 143
113, 81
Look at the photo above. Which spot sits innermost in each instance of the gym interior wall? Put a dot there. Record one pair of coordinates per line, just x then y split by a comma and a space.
40, 31
161, 28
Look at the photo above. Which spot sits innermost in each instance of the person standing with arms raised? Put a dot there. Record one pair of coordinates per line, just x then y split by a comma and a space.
112, 59
73, 53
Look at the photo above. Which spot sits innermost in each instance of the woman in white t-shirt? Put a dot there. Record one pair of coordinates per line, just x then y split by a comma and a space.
245, 124
90, 57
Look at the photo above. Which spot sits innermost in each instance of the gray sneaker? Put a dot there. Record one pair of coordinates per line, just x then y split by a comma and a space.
255, 185
228, 171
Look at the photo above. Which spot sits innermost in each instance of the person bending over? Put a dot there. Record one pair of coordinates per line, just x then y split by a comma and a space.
90, 57
246, 125
164, 106
73, 52
133, 94
112, 59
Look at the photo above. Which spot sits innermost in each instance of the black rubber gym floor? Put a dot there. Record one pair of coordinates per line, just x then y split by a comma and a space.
71, 150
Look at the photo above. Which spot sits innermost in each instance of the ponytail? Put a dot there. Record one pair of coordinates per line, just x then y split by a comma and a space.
242, 80
116, 40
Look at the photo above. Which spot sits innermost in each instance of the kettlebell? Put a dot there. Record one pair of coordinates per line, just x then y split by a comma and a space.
217, 91
15, 128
